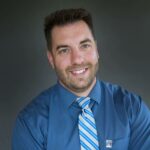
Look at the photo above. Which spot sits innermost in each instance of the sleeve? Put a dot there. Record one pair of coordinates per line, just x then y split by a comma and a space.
140, 126
26, 136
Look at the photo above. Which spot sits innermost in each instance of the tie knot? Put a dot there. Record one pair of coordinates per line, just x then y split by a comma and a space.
83, 102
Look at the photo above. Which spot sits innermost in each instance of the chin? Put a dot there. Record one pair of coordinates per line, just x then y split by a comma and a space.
81, 87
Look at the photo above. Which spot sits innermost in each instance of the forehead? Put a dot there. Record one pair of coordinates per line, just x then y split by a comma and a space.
71, 32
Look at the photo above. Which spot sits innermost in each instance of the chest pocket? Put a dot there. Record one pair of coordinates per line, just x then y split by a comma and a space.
115, 144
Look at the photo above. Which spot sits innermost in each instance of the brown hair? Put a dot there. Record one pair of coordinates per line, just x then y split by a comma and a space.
63, 17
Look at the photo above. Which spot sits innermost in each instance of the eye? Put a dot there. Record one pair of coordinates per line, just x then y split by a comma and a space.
63, 51
85, 46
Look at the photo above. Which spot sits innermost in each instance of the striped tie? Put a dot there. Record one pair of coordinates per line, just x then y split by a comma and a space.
87, 126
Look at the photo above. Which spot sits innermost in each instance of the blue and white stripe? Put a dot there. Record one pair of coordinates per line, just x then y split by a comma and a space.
87, 126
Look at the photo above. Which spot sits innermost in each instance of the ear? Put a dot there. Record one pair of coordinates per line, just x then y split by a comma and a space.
97, 49
50, 58
97, 52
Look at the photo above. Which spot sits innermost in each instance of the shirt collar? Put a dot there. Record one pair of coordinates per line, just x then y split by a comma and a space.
95, 93
67, 97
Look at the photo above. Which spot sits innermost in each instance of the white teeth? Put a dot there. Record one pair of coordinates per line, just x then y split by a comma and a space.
79, 71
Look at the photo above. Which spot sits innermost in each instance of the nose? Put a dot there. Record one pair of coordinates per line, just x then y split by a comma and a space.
77, 57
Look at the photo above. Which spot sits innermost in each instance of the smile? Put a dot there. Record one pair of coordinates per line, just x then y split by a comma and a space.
79, 71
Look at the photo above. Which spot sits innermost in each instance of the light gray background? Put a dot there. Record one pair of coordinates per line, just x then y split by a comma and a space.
122, 29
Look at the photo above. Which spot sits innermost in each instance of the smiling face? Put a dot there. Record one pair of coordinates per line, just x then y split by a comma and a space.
74, 57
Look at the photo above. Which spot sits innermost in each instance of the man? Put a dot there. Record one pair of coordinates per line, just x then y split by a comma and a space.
80, 112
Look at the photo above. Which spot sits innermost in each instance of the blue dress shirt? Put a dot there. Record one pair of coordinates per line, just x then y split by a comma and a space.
50, 121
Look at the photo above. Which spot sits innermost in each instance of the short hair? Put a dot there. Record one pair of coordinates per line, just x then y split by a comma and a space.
64, 17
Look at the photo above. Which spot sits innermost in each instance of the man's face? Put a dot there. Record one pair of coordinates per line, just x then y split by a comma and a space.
74, 56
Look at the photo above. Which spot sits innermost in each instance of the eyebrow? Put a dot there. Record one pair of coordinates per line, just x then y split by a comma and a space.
86, 40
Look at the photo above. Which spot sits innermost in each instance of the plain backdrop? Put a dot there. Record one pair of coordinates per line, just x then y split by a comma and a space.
122, 30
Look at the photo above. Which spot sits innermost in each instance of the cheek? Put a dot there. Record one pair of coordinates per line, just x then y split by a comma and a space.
61, 64
92, 56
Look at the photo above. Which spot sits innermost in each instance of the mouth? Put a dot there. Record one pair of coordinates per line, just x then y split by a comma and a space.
78, 71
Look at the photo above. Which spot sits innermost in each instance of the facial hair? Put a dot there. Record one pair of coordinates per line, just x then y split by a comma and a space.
72, 83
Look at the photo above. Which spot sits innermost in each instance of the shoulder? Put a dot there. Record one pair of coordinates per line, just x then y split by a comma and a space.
39, 106
35, 114
32, 121
118, 93
125, 101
